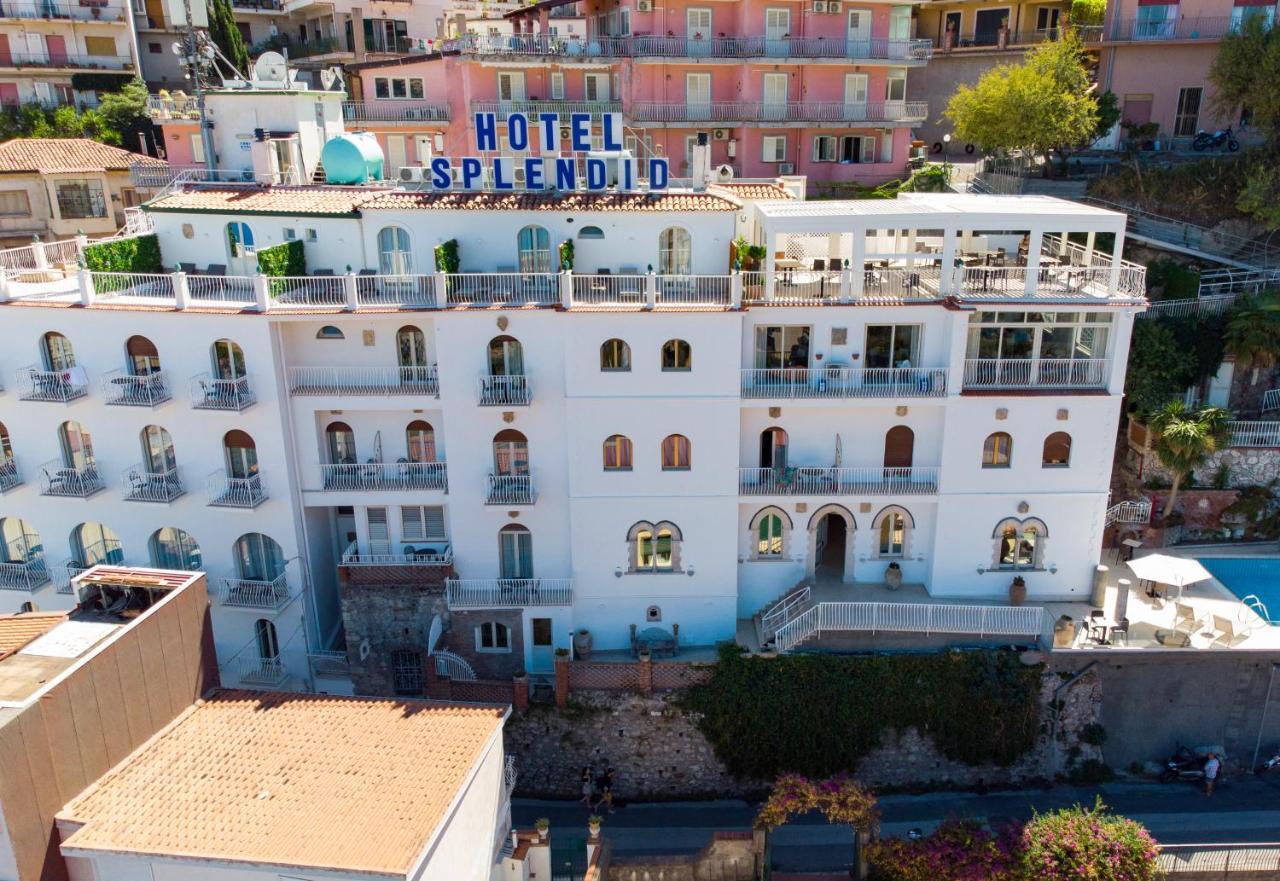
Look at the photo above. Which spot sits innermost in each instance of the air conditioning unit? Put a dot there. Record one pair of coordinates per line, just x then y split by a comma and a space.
833, 7
565, 134
644, 5
819, 5
720, 134
786, 168
411, 174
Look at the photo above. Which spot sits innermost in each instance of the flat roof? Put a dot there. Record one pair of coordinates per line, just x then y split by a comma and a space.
284, 779
939, 204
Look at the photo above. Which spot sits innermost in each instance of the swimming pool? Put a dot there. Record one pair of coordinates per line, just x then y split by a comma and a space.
1250, 576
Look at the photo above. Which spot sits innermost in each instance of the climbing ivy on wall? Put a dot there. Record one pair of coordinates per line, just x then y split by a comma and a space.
822, 714
286, 258
137, 254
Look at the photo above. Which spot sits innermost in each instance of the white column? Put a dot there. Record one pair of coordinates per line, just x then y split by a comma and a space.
566, 288
650, 290
769, 268
735, 290
1089, 240
352, 295
441, 289
181, 291
4, 285
86, 288
948, 274
1035, 241
261, 296
857, 265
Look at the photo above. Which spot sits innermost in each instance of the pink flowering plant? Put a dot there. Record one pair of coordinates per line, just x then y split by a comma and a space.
959, 850
1088, 844
841, 799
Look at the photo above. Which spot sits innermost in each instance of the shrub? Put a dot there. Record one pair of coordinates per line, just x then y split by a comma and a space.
286, 258
137, 254
1093, 734
1091, 772
1077, 842
566, 254
1174, 280
447, 258
958, 850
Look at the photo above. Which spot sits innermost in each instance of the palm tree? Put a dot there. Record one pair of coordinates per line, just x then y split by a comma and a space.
1185, 439
1252, 338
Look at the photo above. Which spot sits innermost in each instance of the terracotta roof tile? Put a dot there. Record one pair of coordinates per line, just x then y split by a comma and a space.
752, 190
277, 778
18, 630
268, 199
68, 154
668, 201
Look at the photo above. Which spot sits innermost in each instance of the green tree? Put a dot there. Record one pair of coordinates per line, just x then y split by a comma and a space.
1252, 338
1246, 73
223, 31
126, 110
1160, 367
1088, 12
1185, 439
1043, 106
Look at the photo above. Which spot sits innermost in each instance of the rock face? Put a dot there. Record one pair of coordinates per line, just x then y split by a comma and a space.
658, 752
1248, 466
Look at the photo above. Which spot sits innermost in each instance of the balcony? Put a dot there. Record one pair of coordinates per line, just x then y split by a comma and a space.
355, 477
235, 492
272, 6
395, 110
532, 108
144, 485
422, 565
685, 47
66, 60
1036, 373
505, 391
1254, 433
162, 109
364, 380
10, 475
54, 386
508, 593
208, 393
990, 42
261, 672
54, 10
329, 665
27, 576
73, 481
792, 112
250, 593
62, 574
1130, 30
433, 553
845, 382
123, 389
818, 481
510, 489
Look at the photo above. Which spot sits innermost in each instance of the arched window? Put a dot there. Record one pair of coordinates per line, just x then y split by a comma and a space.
264, 633
171, 548
240, 239
591, 232
773, 448
899, 447
258, 557
241, 453
157, 450
21, 541
93, 543
770, 529
615, 355
676, 453
654, 548
515, 552
57, 352
893, 532
28, 607
394, 256
341, 442
77, 446
677, 356
144, 359
6, 450
493, 636
997, 450
420, 438
411, 347
228, 360
1057, 450
533, 245
506, 357
330, 332
1020, 543
510, 453
675, 251
617, 453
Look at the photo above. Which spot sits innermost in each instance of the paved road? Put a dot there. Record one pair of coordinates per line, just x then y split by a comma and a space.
1243, 810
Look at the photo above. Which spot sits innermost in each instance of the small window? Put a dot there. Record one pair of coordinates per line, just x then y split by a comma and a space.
654, 548
406, 671
774, 148
290, 234
14, 203
892, 537
617, 453
677, 356
1057, 450
615, 355
154, 48
330, 332
824, 149
591, 232
312, 236
676, 453
1019, 545
653, 613
492, 636
28, 607
997, 450
769, 536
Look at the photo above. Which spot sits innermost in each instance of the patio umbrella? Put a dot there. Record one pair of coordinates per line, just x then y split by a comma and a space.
1164, 569
839, 450
377, 446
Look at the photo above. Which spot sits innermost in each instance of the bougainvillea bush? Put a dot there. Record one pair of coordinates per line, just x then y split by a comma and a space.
960, 850
841, 799
1088, 844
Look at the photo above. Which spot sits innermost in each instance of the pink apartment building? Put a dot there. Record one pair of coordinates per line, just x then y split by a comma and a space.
1155, 55
780, 87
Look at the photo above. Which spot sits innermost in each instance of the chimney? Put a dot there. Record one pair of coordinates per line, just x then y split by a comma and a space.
700, 162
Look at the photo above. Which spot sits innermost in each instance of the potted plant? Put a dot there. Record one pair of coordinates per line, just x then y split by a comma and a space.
893, 576
543, 825
593, 824
1017, 591
583, 643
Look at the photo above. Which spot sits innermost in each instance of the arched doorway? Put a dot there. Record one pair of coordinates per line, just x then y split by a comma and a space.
773, 448
830, 558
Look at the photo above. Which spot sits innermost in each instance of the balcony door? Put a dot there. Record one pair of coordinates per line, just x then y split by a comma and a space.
782, 346
510, 89
379, 532
57, 46
698, 33
986, 25
775, 95
858, 33
542, 651
777, 27
510, 453
515, 552
596, 87
697, 95
855, 96
397, 156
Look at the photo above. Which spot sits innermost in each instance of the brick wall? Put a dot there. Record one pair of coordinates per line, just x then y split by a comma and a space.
382, 618
461, 640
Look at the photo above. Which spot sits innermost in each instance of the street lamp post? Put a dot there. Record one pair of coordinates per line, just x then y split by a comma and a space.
946, 155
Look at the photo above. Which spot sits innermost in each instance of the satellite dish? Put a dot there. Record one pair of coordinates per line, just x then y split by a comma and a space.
176, 47
724, 173
271, 67
330, 79
209, 52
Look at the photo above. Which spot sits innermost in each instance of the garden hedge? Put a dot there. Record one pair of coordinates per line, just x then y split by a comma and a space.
286, 258
137, 254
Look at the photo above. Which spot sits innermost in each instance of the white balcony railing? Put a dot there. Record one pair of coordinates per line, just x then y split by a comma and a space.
1015, 373
144, 485
24, 576
58, 386
1025, 622
384, 476
395, 110
500, 593
77, 481
694, 46
261, 672
510, 489
235, 492
437, 553
502, 289
818, 481
59, 10
329, 664
845, 382
62, 574
779, 112
364, 380
253, 593
1254, 433
208, 393
398, 291
10, 474
505, 391
122, 388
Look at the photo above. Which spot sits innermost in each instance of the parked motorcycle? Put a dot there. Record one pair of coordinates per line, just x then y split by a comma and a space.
1183, 765
1216, 141
1270, 764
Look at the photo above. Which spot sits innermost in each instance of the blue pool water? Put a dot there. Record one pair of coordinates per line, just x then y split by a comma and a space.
1250, 576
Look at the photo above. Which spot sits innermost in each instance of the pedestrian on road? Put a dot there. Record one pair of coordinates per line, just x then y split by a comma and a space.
606, 789
1211, 768
585, 786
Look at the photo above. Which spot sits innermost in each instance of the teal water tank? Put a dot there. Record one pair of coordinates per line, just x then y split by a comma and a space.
352, 159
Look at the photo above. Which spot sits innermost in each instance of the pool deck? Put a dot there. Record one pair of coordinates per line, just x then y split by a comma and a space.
1151, 620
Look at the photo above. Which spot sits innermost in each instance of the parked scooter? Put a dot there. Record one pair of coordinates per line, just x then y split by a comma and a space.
1216, 141
1270, 764
1184, 764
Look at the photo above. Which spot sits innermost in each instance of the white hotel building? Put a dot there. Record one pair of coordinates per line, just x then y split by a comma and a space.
508, 454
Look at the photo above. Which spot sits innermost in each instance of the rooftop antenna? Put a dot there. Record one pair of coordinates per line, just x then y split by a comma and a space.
191, 56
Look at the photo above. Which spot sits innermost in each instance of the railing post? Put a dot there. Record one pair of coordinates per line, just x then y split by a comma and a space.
566, 288
442, 289
86, 287
38, 255
261, 295
350, 292
181, 291
650, 290
4, 284
735, 290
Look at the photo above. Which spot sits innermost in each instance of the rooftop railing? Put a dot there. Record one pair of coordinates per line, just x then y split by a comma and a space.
1245, 433
364, 380
696, 46
161, 108
395, 110
431, 554
779, 112
507, 593
84, 10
